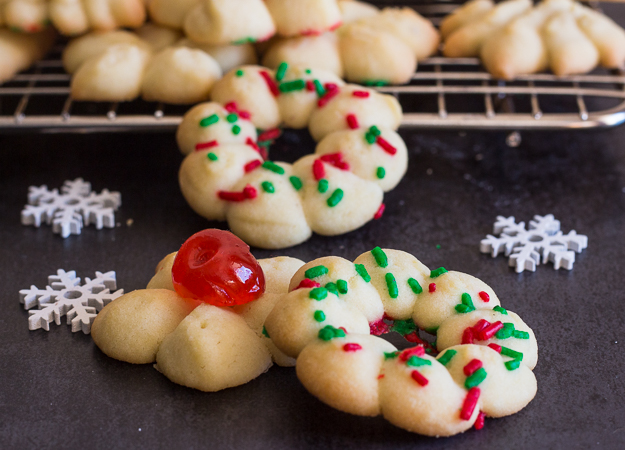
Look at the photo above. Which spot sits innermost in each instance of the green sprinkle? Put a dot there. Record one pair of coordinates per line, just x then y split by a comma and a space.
265, 332
415, 361
415, 286
380, 257
318, 293
319, 88
475, 379
438, 272
463, 309
308, 71
375, 131
404, 327
380, 173
291, 86
212, 156
320, 316
208, 121
377, 83
335, 198
432, 330
438, 246
391, 284
316, 271
328, 333
331, 287
236, 130
500, 310
268, 187
521, 334
466, 300
506, 331
342, 286
282, 68
232, 118
273, 167
323, 186
370, 138
390, 355
239, 73
446, 357
511, 353
296, 182
513, 365
362, 271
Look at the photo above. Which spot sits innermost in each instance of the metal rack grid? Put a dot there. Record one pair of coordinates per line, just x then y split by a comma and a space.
443, 93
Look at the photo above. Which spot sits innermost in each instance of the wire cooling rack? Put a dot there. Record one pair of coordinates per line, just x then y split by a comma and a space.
454, 93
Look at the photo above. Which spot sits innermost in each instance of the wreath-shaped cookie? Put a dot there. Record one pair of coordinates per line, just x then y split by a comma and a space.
275, 204
320, 321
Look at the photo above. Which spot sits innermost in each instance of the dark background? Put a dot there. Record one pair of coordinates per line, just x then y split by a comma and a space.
59, 391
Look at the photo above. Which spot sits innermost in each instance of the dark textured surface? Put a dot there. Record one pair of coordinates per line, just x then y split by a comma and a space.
59, 390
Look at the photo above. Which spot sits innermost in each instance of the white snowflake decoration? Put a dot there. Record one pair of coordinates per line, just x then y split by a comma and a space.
64, 295
74, 207
526, 248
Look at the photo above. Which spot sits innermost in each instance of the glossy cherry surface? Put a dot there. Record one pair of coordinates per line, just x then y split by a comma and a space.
216, 267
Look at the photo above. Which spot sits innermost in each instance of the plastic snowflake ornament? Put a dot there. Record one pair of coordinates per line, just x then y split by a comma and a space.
543, 242
65, 296
69, 210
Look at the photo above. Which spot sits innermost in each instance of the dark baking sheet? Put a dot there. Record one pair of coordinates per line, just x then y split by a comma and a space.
59, 391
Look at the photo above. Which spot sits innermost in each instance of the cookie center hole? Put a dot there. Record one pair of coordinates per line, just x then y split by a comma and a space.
72, 295
536, 238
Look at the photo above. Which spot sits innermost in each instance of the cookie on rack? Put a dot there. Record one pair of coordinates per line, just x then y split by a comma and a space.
515, 38
28, 16
74, 17
334, 191
18, 51
221, 22
304, 17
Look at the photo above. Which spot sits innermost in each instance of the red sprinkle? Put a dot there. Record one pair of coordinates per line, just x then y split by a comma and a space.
480, 325
245, 115
351, 347
231, 107
331, 86
329, 95
419, 378
479, 422
319, 171
490, 331
335, 159
252, 165
248, 193
380, 212
344, 330
252, 144
380, 376
495, 347
270, 135
388, 148
467, 336
379, 327
352, 121
470, 402
484, 296
414, 351
307, 283
310, 85
205, 145
360, 94
273, 87
472, 366
415, 339
432, 288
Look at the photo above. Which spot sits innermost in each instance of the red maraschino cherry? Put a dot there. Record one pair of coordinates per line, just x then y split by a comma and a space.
216, 267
